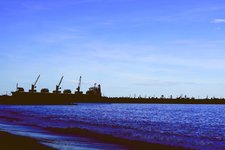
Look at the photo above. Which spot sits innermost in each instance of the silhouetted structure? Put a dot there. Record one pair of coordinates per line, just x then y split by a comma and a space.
95, 90
57, 91
78, 87
19, 89
92, 95
33, 86
56, 97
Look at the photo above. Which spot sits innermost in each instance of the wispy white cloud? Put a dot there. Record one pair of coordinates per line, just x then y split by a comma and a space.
164, 83
218, 21
149, 55
209, 63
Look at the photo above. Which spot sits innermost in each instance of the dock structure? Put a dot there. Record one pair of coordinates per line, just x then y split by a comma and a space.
92, 95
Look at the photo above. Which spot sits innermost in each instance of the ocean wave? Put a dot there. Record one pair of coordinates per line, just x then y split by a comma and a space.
175, 125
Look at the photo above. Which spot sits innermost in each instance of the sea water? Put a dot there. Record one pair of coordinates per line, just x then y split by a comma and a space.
190, 126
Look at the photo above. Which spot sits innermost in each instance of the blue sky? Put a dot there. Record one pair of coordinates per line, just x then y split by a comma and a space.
140, 47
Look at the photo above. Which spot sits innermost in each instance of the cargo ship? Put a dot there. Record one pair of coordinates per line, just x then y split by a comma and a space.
56, 97
92, 95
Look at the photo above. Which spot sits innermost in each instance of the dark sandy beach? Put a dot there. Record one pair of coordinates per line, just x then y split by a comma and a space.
126, 144
10, 141
13, 142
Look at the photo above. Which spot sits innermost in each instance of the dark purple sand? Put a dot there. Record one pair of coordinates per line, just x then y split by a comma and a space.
10, 141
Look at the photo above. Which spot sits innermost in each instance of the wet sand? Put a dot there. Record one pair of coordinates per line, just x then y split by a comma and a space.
10, 141
108, 139
69, 138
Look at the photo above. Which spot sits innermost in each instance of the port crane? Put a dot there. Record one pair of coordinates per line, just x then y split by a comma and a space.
58, 87
33, 86
78, 87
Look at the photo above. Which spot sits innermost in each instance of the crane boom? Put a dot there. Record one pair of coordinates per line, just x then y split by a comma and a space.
58, 87
33, 86
60, 81
78, 87
36, 80
79, 82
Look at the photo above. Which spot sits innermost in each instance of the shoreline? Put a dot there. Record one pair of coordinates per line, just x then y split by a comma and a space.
11, 141
71, 137
24, 98
87, 138
109, 139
